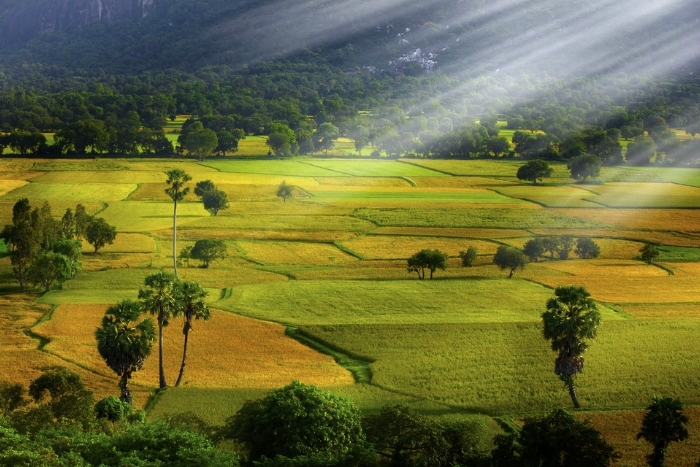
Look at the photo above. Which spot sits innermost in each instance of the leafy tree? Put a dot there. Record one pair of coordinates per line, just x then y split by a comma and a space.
99, 233
431, 260
587, 248
177, 192
296, 420
325, 135
67, 226
124, 342
641, 151
11, 397
468, 257
81, 219
284, 191
571, 319
208, 250
71, 249
202, 187
190, 298
25, 142
201, 142
550, 245
65, 394
44, 228
498, 145
227, 142
534, 170
112, 409
584, 166
534, 248
566, 244
20, 239
509, 258
159, 300
281, 142
556, 440
215, 200
663, 424
50, 268
649, 252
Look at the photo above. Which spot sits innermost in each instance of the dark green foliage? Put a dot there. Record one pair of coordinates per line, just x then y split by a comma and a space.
584, 167
534, 170
550, 245
648, 252
663, 424
509, 258
63, 393
297, 420
22, 242
570, 321
11, 398
112, 409
99, 233
555, 440
201, 142
468, 257
204, 186
566, 244
534, 248
190, 299
50, 268
284, 191
641, 151
71, 249
215, 200
124, 342
158, 299
586, 248
208, 250
431, 260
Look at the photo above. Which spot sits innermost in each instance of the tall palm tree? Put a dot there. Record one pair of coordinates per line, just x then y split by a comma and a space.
190, 299
177, 192
571, 319
663, 424
158, 299
124, 343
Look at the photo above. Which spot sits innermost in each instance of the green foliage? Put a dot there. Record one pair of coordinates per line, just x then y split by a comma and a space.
208, 250
468, 257
124, 342
201, 142
99, 233
641, 151
50, 268
648, 252
431, 260
11, 397
564, 246
557, 439
509, 258
204, 186
63, 393
112, 409
71, 249
297, 420
586, 248
284, 191
214, 201
190, 298
584, 167
534, 248
663, 424
534, 170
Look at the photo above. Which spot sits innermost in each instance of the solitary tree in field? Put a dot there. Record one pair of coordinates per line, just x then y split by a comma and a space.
431, 260
509, 258
208, 250
159, 300
648, 252
468, 257
663, 424
99, 233
215, 200
587, 248
190, 299
534, 170
534, 248
284, 191
584, 166
50, 268
124, 342
177, 192
571, 319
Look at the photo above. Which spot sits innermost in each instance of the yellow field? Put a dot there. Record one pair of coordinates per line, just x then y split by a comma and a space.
683, 220
647, 189
271, 252
248, 353
116, 176
671, 311
363, 181
7, 186
387, 247
460, 182
125, 243
451, 232
664, 238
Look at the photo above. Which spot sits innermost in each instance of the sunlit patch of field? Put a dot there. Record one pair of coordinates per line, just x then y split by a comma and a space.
140, 216
528, 191
7, 186
125, 243
164, 165
259, 234
471, 196
483, 218
384, 246
282, 167
483, 168
279, 222
363, 181
683, 268
663, 311
272, 252
647, 195
684, 176
665, 238
682, 220
249, 353
508, 367
114, 176
628, 174
253, 146
79, 165
460, 182
238, 192
73, 192
620, 428
451, 232
374, 168
436, 301
290, 207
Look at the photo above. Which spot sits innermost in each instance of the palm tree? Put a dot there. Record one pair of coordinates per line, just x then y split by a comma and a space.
177, 192
159, 300
663, 424
571, 319
124, 344
190, 299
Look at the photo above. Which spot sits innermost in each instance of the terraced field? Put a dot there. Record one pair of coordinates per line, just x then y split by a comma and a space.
330, 265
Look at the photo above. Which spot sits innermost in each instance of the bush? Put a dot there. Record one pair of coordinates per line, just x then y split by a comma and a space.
468, 257
112, 409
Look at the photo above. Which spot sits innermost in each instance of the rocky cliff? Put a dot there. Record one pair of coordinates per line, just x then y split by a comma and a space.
28, 19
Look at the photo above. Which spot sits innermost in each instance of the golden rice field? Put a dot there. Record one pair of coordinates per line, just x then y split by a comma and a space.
332, 260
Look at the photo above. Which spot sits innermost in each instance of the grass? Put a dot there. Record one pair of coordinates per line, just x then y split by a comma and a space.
484, 168
368, 197
6, 186
480, 217
436, 301
73, 191
114, 176
678, 220
374, 168
134, 216
273, 252
384, 246
282, 167
500, 368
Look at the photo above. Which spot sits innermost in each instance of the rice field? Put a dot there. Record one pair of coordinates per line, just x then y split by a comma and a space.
73, 191
388, 247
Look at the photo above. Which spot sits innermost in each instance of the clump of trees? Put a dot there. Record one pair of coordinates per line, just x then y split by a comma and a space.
509, 259
212, 198
561, 246
468, 257
47, 252
426, 259
205, 251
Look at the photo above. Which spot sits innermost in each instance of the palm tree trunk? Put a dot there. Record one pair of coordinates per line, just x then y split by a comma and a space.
186, 331
175, 238
124, 386
572, 393
160, 353
658, 457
